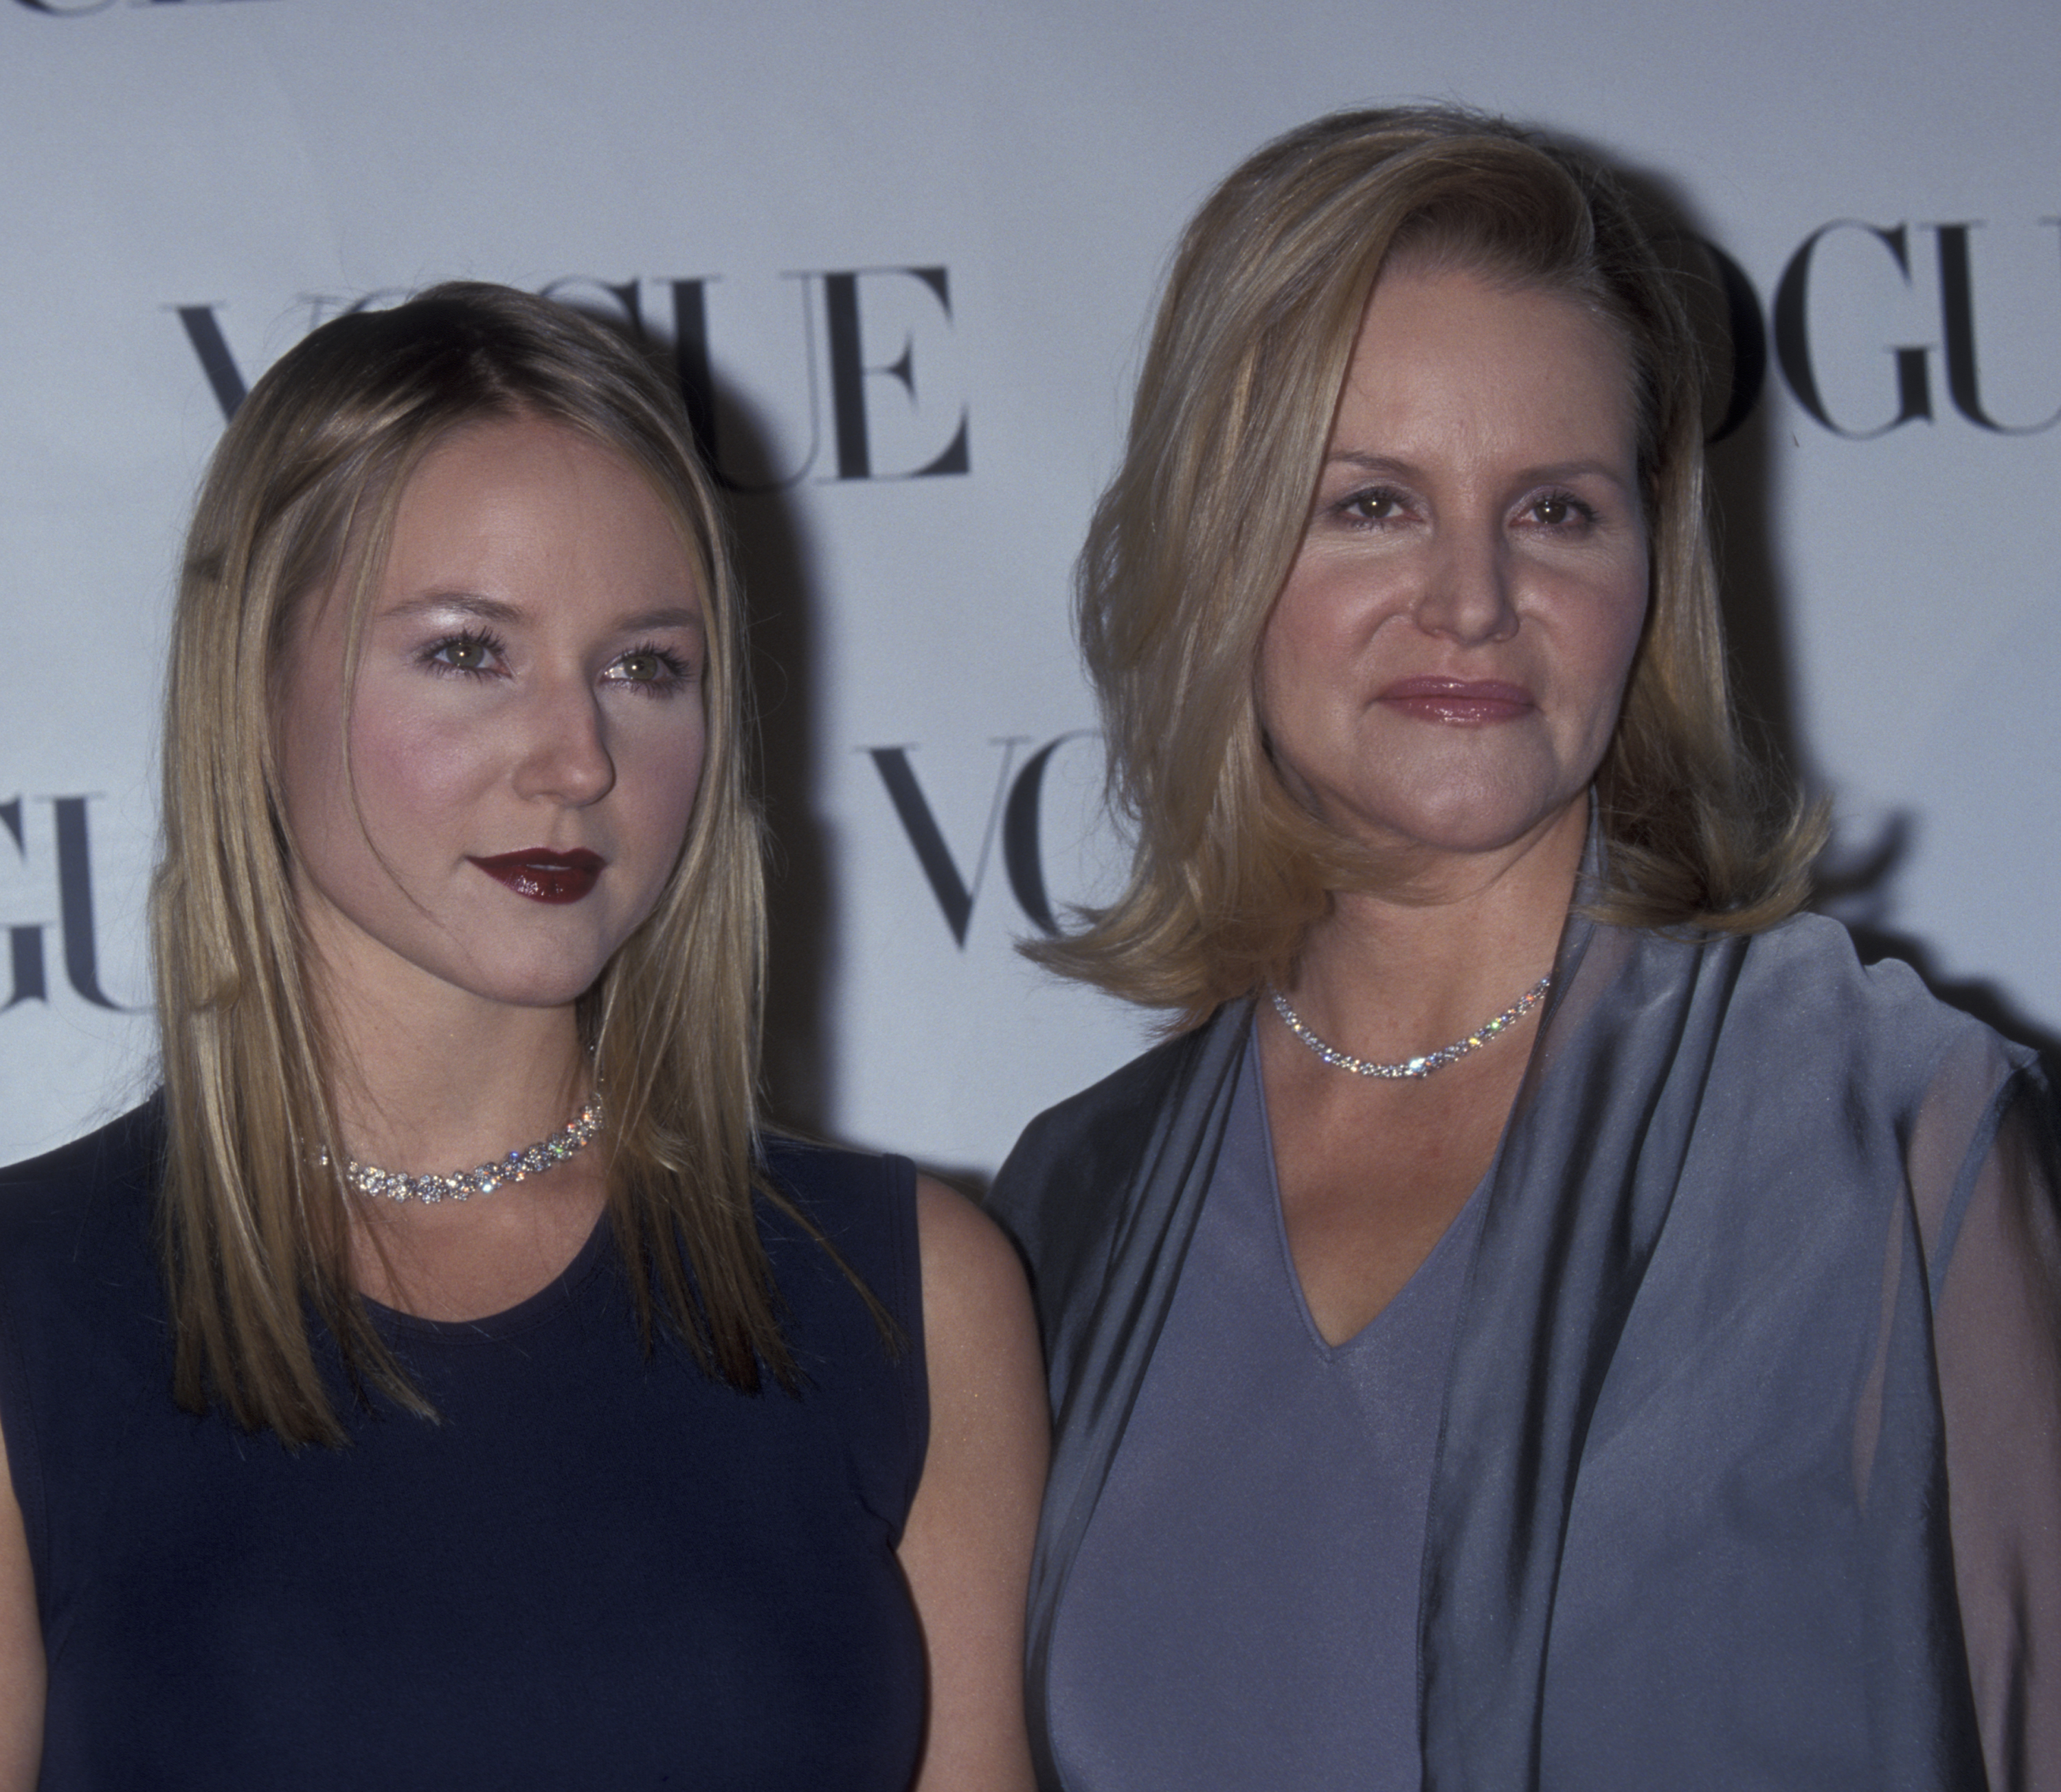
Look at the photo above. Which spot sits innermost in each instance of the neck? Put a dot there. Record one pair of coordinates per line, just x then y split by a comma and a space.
1388, 976
438, 1086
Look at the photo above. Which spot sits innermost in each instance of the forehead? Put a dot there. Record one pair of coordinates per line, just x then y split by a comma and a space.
1457, 349
538, 508
529, 472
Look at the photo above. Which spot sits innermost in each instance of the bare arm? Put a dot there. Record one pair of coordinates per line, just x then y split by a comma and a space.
21, 1668
966, 1548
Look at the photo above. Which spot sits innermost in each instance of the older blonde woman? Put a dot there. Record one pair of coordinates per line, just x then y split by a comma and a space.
658, 1451
1550, 1317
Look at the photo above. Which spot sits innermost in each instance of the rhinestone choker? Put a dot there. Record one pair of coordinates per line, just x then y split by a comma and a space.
534, 1160
1431, 1060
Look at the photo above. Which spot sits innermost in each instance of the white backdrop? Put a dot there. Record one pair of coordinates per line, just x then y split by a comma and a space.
923, 235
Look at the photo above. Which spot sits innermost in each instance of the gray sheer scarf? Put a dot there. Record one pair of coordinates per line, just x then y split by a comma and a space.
1689, 1523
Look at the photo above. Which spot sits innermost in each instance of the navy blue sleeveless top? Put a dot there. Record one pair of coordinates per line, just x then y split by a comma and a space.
600, 1569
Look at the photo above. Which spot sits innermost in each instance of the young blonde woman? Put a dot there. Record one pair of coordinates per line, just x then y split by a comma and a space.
444, 1380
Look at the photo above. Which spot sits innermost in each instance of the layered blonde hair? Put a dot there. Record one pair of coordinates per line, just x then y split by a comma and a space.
299, 500
1191, 543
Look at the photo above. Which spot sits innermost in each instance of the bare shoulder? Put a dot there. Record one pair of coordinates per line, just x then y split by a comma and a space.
966, 1256
980, 1336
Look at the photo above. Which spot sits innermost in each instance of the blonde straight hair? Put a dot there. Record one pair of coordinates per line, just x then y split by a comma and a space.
302, 493
1193, 540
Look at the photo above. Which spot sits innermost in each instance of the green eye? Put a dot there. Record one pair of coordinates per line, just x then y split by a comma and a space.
652, 669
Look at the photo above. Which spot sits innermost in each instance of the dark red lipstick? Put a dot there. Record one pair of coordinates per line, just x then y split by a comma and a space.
544, 876
1468, 701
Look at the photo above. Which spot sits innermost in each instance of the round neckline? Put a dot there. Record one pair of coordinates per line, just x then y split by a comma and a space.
532, 1311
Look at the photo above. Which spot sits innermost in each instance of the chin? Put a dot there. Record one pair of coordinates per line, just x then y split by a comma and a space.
1468, 823
553, 983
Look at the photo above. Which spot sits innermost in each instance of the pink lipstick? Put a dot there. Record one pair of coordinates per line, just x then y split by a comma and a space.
1466, 702
544, 876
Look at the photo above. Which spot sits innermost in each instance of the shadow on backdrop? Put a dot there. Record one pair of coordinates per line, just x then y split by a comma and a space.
1855, 886
780, 603
783, 609
1855, 876
774, 565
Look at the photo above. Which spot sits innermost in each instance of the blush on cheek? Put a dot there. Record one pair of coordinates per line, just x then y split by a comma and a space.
409, 769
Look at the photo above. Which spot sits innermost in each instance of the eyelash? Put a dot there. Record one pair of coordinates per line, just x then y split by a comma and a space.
677, 671
1580, 515
433, 662
1350, 509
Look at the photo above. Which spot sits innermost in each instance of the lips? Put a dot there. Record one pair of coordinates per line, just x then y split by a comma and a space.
1466, 702
544, 876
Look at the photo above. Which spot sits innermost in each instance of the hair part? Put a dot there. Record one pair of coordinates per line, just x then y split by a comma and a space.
1192, 541
300, 499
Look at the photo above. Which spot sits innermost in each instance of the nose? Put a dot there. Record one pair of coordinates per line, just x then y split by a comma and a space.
1468, 595
564, 755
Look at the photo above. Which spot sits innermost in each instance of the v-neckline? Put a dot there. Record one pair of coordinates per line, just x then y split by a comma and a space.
1251, 1087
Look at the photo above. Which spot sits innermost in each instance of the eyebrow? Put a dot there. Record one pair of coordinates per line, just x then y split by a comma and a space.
466, 603
680, 617
494, 610
1388, 467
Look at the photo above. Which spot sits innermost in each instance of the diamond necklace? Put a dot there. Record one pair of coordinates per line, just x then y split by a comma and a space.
1431, 1060
532, 1160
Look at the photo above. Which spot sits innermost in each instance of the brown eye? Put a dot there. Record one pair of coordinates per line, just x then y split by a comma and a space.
464, 652
1561, 509
1376, 505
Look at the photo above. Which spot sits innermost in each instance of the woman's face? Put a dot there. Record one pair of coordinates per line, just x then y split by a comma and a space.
525, 729
1444, 664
